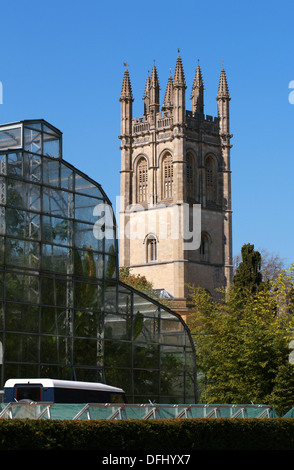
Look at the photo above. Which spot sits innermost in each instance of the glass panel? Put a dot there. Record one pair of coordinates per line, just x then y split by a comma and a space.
21, 370
110, 298
190, 359
146, 356
87, 295
21, 347
84, 237
88, 324
110, 242
23, 195
22, 317
34, 125
125, 303
120, 378
172, 383
55, 291
57, 258
10, 137
54, 349
49, 130
14, 164
84, 207
23, 224
22, 288
82, 185
32, 167
148, 331
172, 331
88, 352
105, 227
32, 141
146, 383
55, 230
50, 145
89, 375
110, 267
172, 358
66, 178
88, 263
56, 202
55, 321
51, 172
22, 253
117, 354
117, 327
145, 306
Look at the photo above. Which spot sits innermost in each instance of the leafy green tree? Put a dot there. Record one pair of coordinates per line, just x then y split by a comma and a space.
282, 394
243, 347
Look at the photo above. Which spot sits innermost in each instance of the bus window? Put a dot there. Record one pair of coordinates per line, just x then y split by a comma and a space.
28, 393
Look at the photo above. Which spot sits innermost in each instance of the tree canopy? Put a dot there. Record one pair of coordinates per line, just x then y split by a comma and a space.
242, 343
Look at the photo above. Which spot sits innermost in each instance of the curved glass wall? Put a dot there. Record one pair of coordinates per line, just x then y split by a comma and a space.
64, 314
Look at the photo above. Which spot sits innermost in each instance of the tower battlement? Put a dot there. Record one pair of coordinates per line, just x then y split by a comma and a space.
209, 124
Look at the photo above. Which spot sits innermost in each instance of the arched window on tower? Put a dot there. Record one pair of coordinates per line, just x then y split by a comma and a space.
204, 247
142, 180
167, 173
210, 181
190, 178
151, 248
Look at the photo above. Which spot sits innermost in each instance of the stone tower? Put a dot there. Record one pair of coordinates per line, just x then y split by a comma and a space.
175, 171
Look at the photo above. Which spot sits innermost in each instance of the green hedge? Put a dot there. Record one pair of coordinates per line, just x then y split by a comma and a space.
154, 435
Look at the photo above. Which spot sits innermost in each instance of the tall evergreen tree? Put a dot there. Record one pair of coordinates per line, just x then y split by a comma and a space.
248, 277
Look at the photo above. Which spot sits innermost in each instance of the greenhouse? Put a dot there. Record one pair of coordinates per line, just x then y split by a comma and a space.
64, 313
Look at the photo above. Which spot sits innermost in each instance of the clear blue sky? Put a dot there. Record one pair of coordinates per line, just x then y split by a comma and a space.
63, 61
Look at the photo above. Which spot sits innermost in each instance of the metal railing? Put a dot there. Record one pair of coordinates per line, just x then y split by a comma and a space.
109, 411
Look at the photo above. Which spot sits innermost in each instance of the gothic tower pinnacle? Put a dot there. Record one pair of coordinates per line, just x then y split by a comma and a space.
197, 99
146, 97
154, 95
126, 99
179, 87
167, 104
223, 98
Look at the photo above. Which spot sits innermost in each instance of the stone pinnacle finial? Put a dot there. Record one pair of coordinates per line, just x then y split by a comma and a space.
198, 80
154, 77
223, 89
168, 97
126, 91
179, 78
